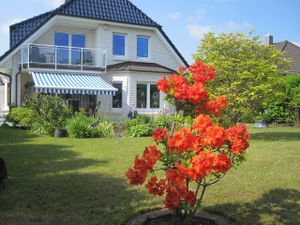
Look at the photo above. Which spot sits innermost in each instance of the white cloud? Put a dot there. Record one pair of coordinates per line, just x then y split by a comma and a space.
197, 31
233, 26
4, 27
200, 13
174, 16
54, 3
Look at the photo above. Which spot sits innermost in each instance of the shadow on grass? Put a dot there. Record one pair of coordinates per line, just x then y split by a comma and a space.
45, 187
278, 206
276, 136
10, 135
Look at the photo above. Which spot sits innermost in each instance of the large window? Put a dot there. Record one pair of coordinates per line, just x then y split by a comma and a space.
142, 46
119, 44
141, 96
78, 42
62, 39
65, 41
154, 96
147, 96
117, 99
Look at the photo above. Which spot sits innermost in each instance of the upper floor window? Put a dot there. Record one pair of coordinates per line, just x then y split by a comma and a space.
119, 44
65, 54
143, 46
78, 42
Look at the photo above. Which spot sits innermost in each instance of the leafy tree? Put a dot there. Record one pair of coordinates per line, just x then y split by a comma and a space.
245, 70
284, 107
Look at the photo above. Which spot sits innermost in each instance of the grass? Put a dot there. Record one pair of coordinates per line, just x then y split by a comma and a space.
81, 182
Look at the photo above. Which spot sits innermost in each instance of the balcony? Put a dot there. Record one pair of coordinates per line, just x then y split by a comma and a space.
39, 56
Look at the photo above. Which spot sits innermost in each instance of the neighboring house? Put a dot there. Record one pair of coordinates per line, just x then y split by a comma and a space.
292, 52
88, 51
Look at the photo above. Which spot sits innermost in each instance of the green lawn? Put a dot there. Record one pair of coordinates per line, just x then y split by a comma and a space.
81, 182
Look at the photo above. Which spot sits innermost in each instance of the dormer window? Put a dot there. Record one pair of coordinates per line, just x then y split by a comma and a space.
119, 44
142, 47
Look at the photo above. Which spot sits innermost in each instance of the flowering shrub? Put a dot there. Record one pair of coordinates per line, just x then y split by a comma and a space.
201, 153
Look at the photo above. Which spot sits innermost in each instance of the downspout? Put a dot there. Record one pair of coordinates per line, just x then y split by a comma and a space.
16, 91
9, 78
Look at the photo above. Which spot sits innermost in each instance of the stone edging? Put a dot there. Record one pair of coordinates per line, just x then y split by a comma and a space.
139, 220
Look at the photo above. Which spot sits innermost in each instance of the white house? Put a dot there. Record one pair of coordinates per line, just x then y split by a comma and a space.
88, 51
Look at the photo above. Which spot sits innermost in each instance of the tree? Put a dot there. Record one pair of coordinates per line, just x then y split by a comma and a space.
245, 71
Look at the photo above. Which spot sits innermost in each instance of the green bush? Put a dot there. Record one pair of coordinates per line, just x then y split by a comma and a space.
22, 116
50, 113
141, 126
79, 126
140, 130
163, 121
284, 105
104, 129
277, 113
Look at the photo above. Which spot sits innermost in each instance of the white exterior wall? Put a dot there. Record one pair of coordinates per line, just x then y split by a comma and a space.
48, 37
100, 37
2, 94
129, 82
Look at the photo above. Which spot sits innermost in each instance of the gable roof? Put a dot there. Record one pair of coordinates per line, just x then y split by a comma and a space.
121, 11
292, 52
139, 67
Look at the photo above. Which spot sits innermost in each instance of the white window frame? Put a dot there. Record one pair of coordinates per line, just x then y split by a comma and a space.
70, 42
118, 57
149, 48
147, 109
117, 109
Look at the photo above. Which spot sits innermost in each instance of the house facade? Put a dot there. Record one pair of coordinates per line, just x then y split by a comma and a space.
91, 51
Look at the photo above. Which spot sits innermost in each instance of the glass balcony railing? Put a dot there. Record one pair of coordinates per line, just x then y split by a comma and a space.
60, 57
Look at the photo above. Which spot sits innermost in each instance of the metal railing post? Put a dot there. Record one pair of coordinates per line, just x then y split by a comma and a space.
81, 58
55, 58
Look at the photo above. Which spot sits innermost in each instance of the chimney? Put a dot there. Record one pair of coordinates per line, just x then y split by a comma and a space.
268, 40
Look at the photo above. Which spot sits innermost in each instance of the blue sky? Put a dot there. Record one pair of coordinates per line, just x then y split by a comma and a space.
186, 21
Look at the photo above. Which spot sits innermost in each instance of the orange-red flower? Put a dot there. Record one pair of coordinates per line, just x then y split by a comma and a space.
182, 141
136, 176
222, 164
196, 93
190, 198
202, 72
156, 187
172, 199
202, 122
163, 85
238, 137
215, 106
160, 134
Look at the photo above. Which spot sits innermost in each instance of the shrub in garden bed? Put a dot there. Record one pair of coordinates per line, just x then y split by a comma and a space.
82, 126
42, 113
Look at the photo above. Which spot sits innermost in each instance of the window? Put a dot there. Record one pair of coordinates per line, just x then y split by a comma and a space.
117, 99
62, 39
147, 96
142, 46
65, 55
154, 97
78, 42
118, 44
141, 96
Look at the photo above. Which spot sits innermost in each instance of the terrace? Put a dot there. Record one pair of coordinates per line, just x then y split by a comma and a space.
55, 57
